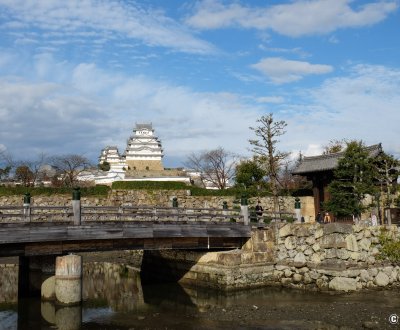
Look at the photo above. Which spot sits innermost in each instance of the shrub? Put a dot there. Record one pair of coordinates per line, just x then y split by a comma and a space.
390, 246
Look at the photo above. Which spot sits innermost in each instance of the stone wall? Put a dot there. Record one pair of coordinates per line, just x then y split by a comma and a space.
163, 198
338, 257
334, 256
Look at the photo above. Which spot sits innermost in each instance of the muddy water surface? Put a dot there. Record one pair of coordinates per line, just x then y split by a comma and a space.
114, 298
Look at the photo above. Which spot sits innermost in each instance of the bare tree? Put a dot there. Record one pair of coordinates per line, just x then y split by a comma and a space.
334, 146
32, 167
68, 167
265, 149
216, 166
6, 159
24, 175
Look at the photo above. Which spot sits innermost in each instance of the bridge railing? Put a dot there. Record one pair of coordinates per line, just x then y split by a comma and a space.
117, 213
149, 213
271, 216
36, 214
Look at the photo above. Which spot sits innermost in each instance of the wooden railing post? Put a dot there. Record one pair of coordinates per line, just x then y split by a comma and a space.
244, 210
27, 206
224, 208
76, 206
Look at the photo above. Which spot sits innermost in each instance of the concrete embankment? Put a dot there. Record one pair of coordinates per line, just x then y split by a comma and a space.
339, 257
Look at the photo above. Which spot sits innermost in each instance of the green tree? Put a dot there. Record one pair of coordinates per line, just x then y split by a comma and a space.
353, 180
265, 148
249, 173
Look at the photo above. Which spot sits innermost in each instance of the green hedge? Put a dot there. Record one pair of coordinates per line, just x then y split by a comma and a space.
196, 191
168, 185
99, 190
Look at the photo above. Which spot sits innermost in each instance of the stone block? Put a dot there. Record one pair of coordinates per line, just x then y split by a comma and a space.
333, 264
308, 252
330, 253
290, 242
343, 284
343, 254
351, 243
316, 247
381, 279
336, 227
364, 275
209, 257
318, 233
281, 267
301, 230
229, 259
364, 244
247, 257
281, 255
262, 257
334, 240
286, 230
288, 273
316, 258
260, 246
355, 256
297, 278
299, 260
310, 240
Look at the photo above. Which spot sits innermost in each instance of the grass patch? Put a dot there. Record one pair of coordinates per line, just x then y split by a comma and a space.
390, 249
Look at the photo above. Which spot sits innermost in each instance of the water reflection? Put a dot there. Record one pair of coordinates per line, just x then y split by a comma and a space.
8, 283
115, 298
114, 285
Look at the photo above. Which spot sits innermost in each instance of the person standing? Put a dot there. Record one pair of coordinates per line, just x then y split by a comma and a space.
327, 218
374, 219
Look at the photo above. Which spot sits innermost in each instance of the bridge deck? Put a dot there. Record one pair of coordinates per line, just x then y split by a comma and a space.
50, 230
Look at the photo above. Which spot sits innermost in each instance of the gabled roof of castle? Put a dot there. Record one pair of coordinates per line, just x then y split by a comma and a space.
328, 162
148, 126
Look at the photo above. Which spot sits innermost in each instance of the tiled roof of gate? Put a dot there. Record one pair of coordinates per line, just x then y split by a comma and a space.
328, 162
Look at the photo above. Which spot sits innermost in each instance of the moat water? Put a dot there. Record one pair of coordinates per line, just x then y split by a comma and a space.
114, 298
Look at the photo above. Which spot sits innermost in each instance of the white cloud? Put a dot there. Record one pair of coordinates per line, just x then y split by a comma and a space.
280, 70
363, 105
297, 18
270, 99
114, 18
91, 108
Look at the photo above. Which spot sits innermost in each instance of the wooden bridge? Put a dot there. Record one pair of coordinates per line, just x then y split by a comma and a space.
50, 230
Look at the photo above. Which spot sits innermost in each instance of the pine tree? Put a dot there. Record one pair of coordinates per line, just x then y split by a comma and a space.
353, 179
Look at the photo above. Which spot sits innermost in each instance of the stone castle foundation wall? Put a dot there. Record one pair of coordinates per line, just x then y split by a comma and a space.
163, 198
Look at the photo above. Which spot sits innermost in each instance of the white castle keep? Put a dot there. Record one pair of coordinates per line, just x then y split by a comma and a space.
143, 152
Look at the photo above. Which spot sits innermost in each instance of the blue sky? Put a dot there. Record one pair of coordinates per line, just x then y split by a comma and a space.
76, 75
